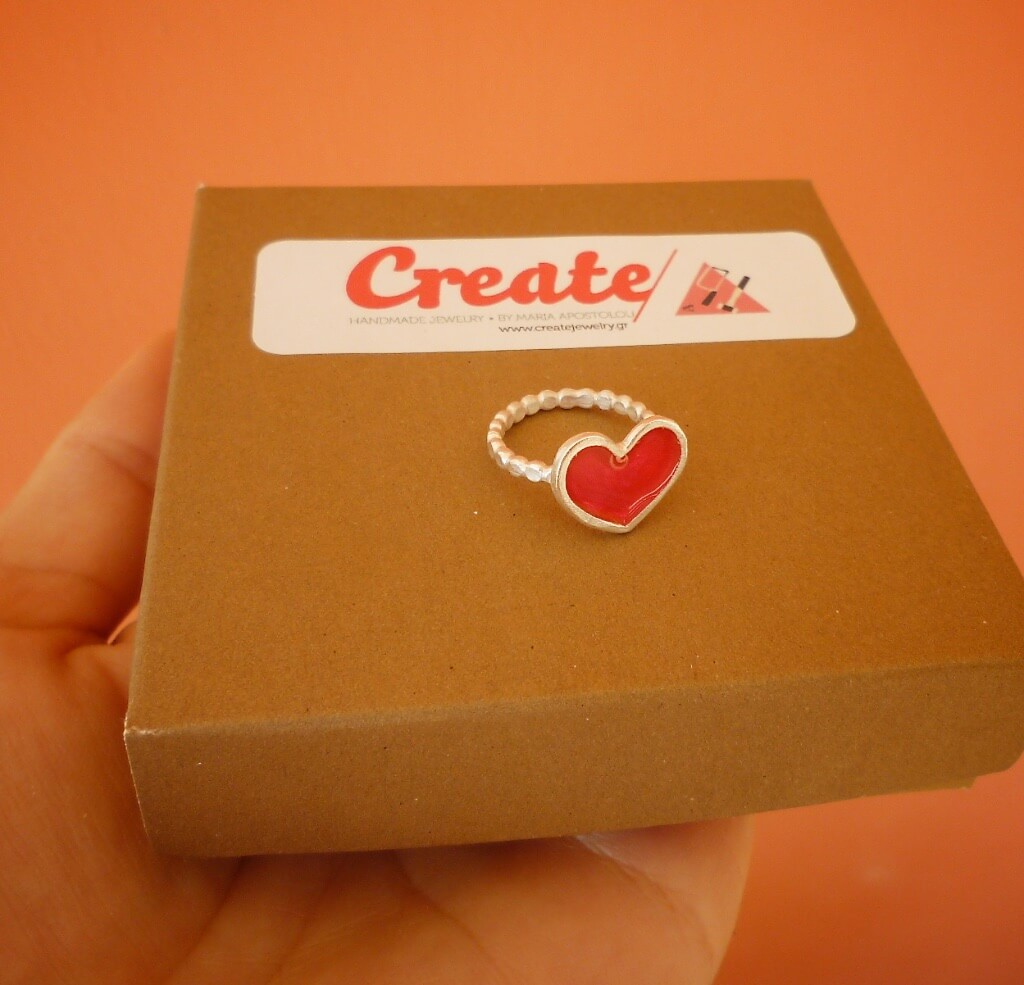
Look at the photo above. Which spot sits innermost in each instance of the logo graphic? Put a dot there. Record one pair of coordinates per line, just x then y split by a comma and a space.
713, 293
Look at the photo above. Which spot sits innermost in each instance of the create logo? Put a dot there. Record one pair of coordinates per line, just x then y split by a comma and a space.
572, 291
586, 282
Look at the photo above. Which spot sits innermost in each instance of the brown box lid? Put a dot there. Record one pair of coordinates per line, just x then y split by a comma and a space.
356, 632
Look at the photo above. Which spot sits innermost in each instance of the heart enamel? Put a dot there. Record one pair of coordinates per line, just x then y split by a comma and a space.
616, 485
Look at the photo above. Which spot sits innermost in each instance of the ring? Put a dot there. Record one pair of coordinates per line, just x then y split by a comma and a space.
608, 485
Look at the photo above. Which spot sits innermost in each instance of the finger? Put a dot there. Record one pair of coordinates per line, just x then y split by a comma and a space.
72, 542
702, 866
115, 657
647, 905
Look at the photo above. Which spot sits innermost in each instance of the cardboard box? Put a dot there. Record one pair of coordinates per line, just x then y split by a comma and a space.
357, 632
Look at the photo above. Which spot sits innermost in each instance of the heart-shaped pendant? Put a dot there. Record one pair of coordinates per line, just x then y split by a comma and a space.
613, 485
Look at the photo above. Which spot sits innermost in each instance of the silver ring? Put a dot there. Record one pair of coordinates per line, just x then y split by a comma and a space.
605, 484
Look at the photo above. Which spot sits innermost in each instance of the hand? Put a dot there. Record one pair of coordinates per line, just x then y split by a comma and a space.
83, 897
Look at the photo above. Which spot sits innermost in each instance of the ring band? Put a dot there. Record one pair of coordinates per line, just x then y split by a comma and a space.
605, 484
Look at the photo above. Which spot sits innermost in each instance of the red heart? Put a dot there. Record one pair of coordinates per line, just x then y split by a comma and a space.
619, 483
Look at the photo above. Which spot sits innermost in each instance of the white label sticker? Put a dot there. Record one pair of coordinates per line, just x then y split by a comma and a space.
556, 292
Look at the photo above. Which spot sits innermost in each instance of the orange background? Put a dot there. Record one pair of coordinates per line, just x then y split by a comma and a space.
905, 115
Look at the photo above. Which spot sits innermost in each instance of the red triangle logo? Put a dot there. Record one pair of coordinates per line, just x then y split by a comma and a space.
713, 292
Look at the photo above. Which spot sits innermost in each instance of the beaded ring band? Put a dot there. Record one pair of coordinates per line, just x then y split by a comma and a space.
605, 484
